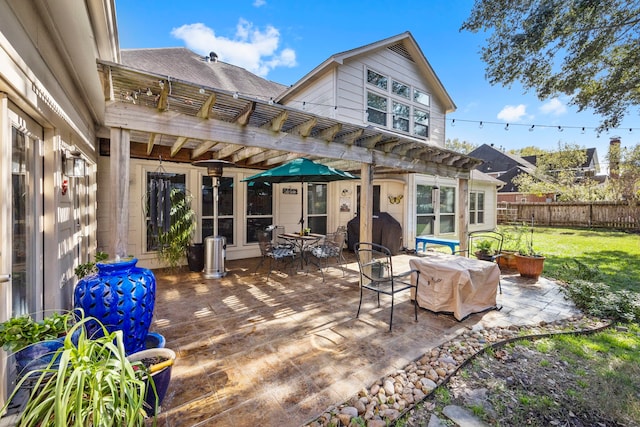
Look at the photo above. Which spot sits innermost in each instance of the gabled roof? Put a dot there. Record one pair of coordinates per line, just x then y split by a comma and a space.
183, 64
495, 160
404, 44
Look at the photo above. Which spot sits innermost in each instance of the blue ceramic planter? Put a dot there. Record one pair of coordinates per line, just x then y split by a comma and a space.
122, 297
36, 356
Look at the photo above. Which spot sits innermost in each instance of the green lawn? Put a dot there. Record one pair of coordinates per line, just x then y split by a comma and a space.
615, 254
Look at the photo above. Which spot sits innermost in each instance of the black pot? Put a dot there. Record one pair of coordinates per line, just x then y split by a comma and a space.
195, 257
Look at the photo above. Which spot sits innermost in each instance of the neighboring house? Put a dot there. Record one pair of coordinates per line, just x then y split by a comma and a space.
51, 98
589, 168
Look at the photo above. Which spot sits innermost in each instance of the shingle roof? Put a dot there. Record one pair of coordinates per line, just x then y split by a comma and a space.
183, 64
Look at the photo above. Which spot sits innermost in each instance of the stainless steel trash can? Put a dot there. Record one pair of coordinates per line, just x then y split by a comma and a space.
215, 254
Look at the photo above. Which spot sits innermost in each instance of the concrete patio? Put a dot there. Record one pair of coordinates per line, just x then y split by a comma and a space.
278, 352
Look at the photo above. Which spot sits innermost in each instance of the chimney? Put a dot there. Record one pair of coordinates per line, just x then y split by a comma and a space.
213, 56
614, 157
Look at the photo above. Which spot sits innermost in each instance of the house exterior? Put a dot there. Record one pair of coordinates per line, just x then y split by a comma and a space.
83, 130
349, 87
50, 101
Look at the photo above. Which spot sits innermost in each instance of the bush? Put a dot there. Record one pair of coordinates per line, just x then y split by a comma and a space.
598, 300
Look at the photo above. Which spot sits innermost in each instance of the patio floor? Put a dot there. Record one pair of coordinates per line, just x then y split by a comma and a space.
278, 352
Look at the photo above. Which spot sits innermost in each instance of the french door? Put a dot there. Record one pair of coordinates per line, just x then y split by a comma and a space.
22, 247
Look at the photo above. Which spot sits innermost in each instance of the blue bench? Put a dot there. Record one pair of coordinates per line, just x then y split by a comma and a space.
421, 242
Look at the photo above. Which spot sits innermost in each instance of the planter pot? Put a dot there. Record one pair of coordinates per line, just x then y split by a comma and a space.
483, 256
195, 257
160, 373
36, 356
529, 266
122, 297
507, 260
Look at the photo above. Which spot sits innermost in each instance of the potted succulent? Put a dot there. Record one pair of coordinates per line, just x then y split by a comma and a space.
93, 384
529, 262
34, 342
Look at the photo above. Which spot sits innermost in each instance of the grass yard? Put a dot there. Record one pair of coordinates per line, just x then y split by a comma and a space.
614, 254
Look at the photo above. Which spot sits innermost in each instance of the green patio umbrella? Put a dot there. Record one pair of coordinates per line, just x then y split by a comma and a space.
300, 170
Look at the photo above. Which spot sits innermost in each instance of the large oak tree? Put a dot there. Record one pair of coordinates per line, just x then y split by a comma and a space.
586, 49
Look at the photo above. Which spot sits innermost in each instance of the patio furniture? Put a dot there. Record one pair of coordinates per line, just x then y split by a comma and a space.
421, 243
278, 240
376, 274
329, 247
272, 253
301, 242
455, 284
484, 245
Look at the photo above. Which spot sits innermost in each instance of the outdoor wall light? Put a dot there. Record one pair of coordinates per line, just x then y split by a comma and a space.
73, 165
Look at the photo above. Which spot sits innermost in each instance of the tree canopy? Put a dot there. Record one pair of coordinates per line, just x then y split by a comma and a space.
455, 144
588, 50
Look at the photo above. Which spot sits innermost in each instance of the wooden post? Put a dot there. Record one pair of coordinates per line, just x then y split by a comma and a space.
119, 169
366, 203
463, 213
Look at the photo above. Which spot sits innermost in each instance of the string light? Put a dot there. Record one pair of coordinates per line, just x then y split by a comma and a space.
532, 127
454, 122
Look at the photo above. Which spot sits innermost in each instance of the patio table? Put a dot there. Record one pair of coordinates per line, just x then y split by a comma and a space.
456, 284
301, 242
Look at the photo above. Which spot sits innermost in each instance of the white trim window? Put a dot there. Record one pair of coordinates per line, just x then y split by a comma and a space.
394, 107
476, 207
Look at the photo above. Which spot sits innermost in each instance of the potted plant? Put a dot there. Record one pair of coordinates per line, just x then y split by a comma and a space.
484, 250
154, 363
90, 267
174, 242
529, 262
34, 342
512, 242
93, 385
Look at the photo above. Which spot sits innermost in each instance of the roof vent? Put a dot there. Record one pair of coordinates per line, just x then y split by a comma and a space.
213, 57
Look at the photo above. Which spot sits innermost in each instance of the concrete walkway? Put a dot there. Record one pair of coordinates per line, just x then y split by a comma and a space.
278, 352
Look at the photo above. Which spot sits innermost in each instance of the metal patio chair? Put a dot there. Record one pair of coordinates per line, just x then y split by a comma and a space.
274, 254
377, 275
484, 245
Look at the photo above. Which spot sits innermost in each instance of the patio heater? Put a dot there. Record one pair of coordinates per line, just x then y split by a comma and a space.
215, 246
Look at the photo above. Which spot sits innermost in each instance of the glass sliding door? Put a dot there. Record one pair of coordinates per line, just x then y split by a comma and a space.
26, 237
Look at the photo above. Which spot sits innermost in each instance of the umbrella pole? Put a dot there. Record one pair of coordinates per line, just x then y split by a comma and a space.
302, 210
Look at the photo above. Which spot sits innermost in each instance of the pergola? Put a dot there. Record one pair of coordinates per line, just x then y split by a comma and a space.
149, 115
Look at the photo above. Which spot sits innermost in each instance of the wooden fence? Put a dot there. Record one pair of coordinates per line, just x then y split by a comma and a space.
615, 215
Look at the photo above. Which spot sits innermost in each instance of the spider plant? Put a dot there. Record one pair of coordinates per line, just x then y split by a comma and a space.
90, 382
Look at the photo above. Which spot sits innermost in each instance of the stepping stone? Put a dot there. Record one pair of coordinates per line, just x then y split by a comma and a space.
463, 417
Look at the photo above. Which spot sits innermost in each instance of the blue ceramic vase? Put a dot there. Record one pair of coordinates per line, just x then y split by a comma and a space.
122, 297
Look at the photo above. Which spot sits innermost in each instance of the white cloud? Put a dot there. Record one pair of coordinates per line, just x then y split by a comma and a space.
258, 3
513, 113
554, 107
250, 48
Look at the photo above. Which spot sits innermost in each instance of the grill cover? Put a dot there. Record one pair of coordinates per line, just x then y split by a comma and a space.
386, 232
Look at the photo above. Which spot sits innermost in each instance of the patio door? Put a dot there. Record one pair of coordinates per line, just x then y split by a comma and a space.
24, 242
21, 219
435, 210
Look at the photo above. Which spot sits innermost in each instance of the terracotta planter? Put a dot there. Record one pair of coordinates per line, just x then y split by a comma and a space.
529, 266
507, 260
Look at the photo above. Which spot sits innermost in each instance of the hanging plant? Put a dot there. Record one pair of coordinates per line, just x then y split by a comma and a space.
173, 241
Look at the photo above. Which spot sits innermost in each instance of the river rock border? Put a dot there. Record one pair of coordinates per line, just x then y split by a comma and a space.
392, 396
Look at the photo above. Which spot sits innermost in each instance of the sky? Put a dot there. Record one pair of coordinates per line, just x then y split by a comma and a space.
283, 40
